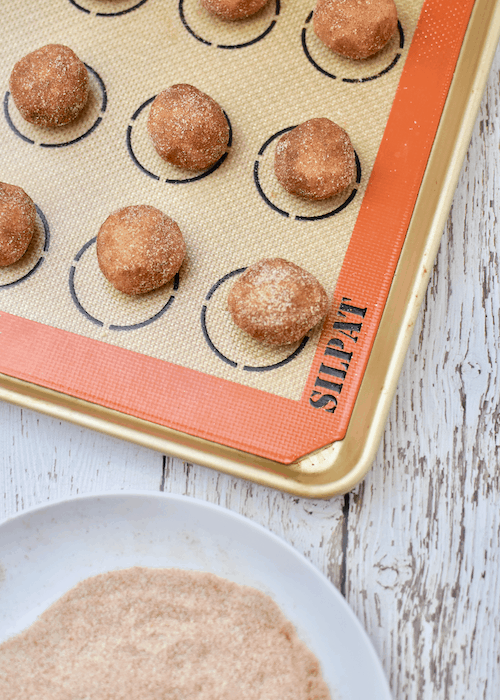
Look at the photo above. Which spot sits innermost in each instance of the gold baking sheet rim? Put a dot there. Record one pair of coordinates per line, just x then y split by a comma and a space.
338, 467
173, 356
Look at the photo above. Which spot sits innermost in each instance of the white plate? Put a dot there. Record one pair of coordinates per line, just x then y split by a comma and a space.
46, 551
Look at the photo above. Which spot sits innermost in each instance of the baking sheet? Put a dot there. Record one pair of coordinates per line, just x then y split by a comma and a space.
173, 357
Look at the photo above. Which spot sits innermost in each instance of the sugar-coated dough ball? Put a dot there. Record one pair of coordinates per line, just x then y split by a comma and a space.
277, 302
139, 248
188, 128
233, 9
355, 28
50, 86
17, 223
315, 160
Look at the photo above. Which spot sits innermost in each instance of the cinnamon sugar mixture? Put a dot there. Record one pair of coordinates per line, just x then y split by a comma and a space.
139, 248
160, 634
188, 128
234, 9
17, 223
355, 28
315, 160
50, 86
277, 302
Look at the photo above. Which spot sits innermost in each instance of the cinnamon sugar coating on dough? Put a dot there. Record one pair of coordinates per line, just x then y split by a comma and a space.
50, 86
233, 9
277, 302
139, 248
315, 160
151, 634
17, 223
355, 28
188, 127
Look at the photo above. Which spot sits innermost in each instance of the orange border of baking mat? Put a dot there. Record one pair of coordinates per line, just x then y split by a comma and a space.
249, 419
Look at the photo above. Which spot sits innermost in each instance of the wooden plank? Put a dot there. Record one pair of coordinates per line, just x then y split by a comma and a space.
43, 459
424, 527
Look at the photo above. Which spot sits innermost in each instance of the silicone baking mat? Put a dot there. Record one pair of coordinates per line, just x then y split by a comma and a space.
173, 357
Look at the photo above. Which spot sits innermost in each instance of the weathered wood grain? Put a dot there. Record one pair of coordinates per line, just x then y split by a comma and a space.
43, 459
424, 527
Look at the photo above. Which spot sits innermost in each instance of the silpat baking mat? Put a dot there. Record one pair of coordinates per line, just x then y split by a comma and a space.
173, 357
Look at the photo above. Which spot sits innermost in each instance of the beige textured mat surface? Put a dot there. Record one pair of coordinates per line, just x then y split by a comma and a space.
264, 87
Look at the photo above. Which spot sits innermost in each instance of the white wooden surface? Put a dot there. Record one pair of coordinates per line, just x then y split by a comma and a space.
416, 546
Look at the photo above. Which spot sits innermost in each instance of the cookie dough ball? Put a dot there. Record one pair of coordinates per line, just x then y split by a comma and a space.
355, 28
277, 302
50, 86
17, 223
315, 160
139, 249
233, 9
188, 128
